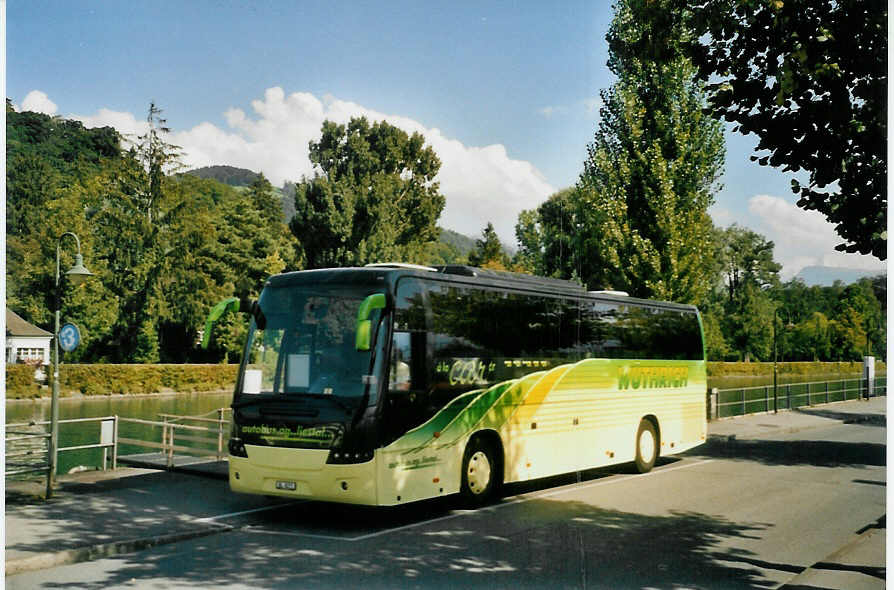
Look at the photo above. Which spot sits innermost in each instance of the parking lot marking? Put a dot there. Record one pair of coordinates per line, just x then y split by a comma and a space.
261, 509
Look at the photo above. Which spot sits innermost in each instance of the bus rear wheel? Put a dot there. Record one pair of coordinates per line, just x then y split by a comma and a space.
479, 473
646, 446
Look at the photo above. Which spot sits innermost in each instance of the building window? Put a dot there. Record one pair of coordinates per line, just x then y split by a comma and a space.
29, 354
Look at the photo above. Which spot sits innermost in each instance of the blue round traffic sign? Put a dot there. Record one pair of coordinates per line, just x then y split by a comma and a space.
69, 337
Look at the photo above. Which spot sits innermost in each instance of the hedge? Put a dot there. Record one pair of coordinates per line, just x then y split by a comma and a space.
20, 381
720, 369
101, 379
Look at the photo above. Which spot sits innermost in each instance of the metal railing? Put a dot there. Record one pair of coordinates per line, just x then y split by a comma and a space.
27, 443
740, 401
191, 435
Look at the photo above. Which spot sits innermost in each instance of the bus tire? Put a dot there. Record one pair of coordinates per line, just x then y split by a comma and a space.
479, 473
646, 446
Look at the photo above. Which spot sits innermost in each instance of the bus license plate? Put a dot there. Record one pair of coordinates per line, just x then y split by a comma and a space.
286, 485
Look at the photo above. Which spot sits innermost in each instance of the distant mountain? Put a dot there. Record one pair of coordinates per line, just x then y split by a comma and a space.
226, 174
825, 276
464, 244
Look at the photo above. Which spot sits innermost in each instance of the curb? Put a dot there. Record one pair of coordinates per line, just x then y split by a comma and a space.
835, 562
94, 552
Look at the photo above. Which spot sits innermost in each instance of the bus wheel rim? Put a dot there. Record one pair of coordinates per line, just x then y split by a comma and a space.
646, 445
478, 472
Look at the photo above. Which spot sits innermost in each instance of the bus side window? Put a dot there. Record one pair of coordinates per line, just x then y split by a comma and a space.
407, 403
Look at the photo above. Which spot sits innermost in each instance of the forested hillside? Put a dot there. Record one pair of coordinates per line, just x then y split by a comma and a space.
163, 247
226, 174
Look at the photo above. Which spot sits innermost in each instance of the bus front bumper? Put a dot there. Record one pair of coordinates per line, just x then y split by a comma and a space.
302, 473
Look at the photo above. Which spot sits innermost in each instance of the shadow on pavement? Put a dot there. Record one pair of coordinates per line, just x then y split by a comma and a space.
818, 453
542, 543
846, 417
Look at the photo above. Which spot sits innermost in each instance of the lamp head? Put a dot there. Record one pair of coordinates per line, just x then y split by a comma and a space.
78, 273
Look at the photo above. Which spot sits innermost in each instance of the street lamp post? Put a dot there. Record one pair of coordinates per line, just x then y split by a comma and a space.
77, 274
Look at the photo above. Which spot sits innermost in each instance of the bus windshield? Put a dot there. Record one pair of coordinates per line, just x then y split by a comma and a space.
303, 342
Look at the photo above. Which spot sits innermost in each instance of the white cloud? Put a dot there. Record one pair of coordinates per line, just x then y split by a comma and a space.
721, 216
592, 105
803, 238
549, 111
480, 184
39, 102
125, 123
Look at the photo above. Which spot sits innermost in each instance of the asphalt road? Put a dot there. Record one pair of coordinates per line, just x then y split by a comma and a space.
733, 514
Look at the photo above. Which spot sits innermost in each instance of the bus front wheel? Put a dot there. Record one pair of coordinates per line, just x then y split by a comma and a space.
646, 446
479, 475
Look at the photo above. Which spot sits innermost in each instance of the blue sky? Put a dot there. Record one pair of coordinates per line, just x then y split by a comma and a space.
506, 93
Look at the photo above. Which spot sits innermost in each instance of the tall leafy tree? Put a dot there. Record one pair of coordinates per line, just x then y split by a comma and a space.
809, 78
160, 241
653, 166
373, 196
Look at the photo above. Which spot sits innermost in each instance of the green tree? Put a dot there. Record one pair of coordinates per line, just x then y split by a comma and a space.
857, 322
373, 196
550, 239
750, 328
744, 295
488, 252
747, 259
51, 167
159, 159
265, 200
809, 340
716, 346
653, 166
809, 78
163, 247
160, 246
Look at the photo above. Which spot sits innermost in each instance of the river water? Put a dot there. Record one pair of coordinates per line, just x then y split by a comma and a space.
146, 407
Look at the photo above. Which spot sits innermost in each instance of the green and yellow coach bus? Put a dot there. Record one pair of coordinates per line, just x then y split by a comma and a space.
394, 383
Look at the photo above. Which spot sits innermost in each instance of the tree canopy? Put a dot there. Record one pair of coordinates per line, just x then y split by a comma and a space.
809, 78
372, 198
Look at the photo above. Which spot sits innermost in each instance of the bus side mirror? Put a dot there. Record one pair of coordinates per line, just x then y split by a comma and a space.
363, 336
228, 304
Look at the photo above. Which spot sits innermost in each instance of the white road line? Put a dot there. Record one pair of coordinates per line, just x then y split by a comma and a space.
458, 513
261, 509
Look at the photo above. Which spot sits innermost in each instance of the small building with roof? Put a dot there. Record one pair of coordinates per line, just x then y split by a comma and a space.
25, 342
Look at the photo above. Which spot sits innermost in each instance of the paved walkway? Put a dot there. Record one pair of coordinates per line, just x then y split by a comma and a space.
98, 514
